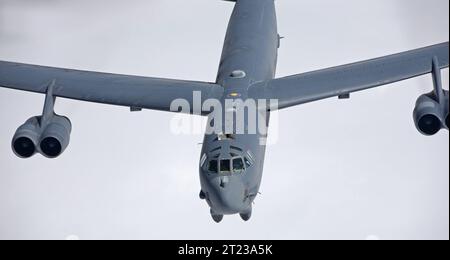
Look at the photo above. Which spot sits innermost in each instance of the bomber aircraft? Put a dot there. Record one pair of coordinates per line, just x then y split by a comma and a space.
232, 157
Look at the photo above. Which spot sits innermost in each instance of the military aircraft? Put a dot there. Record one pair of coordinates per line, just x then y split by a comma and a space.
231, 162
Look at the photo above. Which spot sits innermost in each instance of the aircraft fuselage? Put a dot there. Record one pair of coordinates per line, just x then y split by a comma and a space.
231, 164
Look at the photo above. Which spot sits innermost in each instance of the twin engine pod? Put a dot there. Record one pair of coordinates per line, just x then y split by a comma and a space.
432, 115
49, 138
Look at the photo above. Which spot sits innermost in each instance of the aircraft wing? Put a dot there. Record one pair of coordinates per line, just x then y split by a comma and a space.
130, 91
343, 80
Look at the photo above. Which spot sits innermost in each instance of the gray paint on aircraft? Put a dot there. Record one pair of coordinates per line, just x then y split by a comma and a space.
251, 50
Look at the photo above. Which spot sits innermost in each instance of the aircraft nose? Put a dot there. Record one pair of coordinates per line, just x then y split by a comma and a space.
230, 195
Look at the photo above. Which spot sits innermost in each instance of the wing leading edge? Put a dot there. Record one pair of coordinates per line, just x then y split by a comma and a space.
113, 89
343, 80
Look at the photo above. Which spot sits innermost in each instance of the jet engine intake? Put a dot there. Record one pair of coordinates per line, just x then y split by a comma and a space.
56, 137
26, 138
430, 116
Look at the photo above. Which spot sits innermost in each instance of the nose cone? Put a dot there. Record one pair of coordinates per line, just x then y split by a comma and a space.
229, 194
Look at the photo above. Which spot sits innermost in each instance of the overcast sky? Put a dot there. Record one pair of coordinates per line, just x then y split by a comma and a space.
353, 169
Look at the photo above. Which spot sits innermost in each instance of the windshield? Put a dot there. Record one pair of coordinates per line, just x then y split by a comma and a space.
238, 165
225, 165
213, 167
234, 165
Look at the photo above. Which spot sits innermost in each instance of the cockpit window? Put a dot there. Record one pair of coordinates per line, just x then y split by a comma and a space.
203, 160
215, 149
225, 165
238, 165
213, 166
248, 163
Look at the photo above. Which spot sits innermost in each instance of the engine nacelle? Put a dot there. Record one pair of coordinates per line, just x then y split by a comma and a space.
429, 115
25, 140
446, 113
55, 136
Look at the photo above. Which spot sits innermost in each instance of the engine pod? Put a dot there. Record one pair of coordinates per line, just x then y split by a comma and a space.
56, 137
25, 140
428, 115
446, 109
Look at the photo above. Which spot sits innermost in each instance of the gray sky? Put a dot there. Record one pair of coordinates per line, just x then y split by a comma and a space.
352, 169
